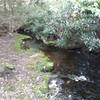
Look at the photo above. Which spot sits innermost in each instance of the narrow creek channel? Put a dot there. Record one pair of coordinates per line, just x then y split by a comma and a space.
76, 74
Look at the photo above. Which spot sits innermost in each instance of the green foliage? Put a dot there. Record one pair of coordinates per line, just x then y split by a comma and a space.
41, 63
66, 19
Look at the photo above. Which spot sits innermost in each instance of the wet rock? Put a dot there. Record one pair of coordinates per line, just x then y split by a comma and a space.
72, 87
47, 69
55, 85
77, 78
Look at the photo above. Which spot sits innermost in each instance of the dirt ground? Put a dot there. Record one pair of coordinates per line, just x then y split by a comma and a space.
16, 84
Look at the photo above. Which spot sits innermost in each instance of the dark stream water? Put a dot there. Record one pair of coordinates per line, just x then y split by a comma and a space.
76, 74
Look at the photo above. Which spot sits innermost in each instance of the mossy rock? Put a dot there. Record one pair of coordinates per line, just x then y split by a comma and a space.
48, 67
41, 63
18, 44
6, 68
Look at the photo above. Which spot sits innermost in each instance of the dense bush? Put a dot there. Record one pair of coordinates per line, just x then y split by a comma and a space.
65, 23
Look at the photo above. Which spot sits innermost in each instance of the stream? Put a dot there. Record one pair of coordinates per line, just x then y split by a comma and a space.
76, 74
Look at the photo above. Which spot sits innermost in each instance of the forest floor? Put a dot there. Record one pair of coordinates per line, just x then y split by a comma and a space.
17, 81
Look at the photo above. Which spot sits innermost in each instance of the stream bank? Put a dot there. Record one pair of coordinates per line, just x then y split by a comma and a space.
76, 74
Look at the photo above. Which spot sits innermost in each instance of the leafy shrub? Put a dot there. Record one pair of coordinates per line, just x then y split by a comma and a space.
72, 21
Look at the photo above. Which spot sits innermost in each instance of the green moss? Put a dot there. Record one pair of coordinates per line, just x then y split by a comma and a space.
44, 65
24, 97
9, 66
52, 43
6, 66
40, 62
9, 87
18, 42
40, 79
41, 87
